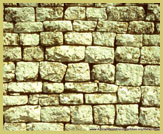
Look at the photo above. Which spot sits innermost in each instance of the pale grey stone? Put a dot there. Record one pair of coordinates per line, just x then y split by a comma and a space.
151, 40
10, 39
8, 71
29, 39
53, 87
14, 126
8, 26
49, 100
111, 88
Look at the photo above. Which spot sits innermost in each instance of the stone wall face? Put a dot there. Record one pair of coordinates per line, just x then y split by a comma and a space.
81, 66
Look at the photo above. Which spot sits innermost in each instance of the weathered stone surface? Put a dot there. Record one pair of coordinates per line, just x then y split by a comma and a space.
65, 53
79, 4
153, 12
33, 99
104, 87
53, 87
27, 27
25, 87
33, 54
19, 14
28, 4
51, 4
75, 127
10, 39
14, 100
96, 13
112, 26
97, 54
74, 13
81, 114
82, 25
129, 94
11, 53
127, 114
127, 54
10, 4
51, 38
100, 98
29, 39
149, 116
8, 26
103, 72
5, 86
49, 100
85, 87
151, 75
78, 72
58, 25
44, 14
75, 38
129, 74
71, 98
14, 126
150, 55
158, 27
150, 95
27, 71
8, 71
104, 38
151, 40
44, 127
55, 114
52, 71
104, 114
141, 27
129, 40
22, 114
129, 13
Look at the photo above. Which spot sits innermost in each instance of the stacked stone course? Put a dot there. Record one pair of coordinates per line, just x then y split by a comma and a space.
81, 66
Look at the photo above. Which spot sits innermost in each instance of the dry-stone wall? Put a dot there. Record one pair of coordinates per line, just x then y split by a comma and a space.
81, 66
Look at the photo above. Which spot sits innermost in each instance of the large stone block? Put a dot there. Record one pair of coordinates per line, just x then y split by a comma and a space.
104, 87
10, 39
49, 100
53, 87
151, 40
14, 126
8, 26
29, 39
153, 12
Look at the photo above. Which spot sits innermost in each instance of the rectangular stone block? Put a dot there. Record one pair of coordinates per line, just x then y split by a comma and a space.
46, 14
22, 14
14, 126
82, 25
53, 87
58, 25
8, 26
153, 12
25, 87
85, 87
29, 39
28, 27
33, 99
8, 71
65, 53
151, 40
51, 38
10, 39
96, 13
104, 87
71, 98
22, 114
100, 98
112, 26
49, 100
55, 114
75, 38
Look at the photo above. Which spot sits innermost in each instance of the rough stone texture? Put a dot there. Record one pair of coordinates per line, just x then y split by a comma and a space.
85, 87
96, 13
77, 72
58, 25
26, 71
151, 40
65, 53
129, 94
129, 74
150, 55
127, 114
76, 38
10, 39
8, 26
52, 71
29, 39
103, 73
153, 12
22, 114
33, 99
81, 25
104, 39
5, 86
100, 98
51, 38
104, 87
55, 114
14, 126
104, 114
158, 27
46, 14
127, 54
149, 116
97, 54
151, 75
53, 87
71, 98
81, 114
49, 100
129, 40
8, 71
150, 95
45, 127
